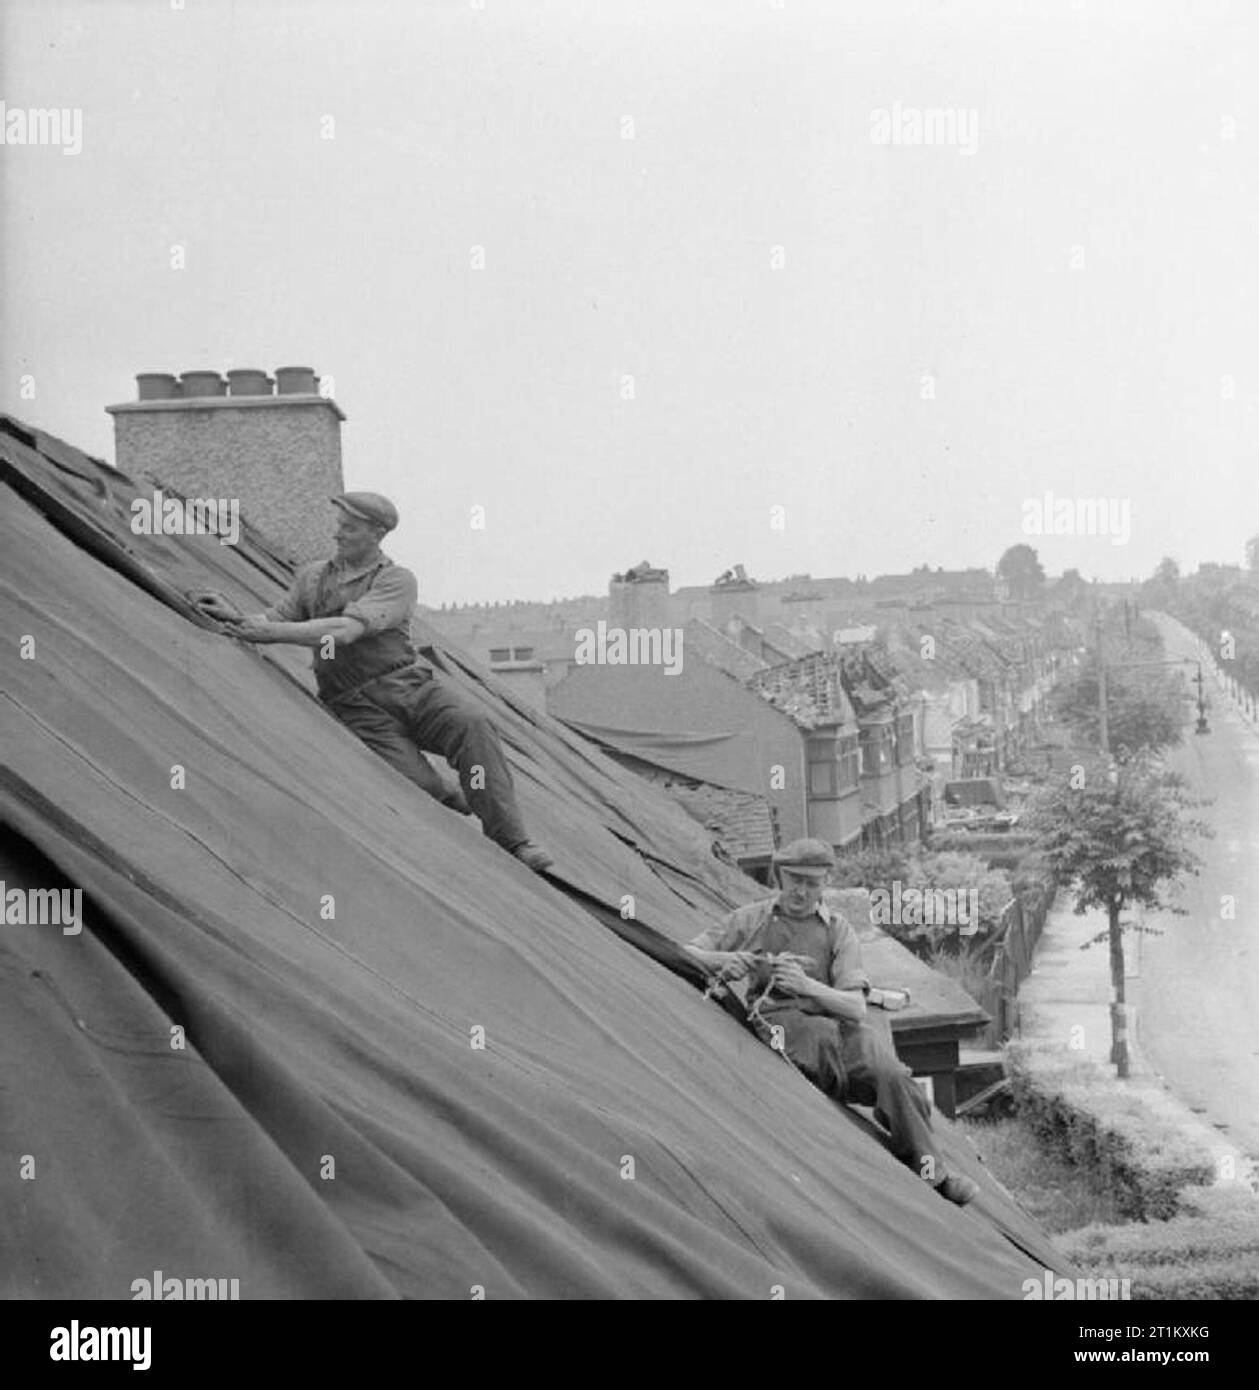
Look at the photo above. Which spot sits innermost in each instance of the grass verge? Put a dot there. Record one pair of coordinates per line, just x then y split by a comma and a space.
1057, 1193
1209, 1251
1120, 1187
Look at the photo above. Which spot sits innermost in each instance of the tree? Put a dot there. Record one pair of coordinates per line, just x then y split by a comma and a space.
869, 868
1160, 590
1119, 837
1145, 707
1145, 699
1021, 570
1071, 589
1252, 553
955, 869
926, 872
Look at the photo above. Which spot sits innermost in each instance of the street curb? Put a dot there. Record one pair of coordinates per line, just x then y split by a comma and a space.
1067, 985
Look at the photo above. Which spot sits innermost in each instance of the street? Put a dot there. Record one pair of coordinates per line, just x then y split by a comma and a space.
1196, 988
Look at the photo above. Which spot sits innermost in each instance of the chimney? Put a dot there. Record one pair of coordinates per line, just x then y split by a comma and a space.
278, 455
734, 595
527, 679
639, 598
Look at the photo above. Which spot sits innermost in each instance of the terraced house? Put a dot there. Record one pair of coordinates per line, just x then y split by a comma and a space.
857, 728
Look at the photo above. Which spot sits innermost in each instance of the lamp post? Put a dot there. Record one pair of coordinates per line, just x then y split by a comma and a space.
1202, 727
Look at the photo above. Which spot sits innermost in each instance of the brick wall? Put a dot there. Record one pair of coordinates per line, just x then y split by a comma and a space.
280, 456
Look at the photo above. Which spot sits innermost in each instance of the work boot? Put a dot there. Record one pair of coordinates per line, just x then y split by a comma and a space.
958, 1188
532, 856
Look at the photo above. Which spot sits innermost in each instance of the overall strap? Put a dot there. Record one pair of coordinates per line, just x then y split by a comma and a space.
323, 589
755, 942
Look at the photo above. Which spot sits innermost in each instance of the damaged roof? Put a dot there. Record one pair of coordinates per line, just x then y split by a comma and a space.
317, 1033
810, 690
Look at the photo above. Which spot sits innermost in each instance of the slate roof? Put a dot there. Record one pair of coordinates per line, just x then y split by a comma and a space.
969, 649
793, 644
916, 671
740, 821
709, 642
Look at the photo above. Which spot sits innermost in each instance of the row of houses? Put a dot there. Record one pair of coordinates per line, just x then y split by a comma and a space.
842, 723
832, 707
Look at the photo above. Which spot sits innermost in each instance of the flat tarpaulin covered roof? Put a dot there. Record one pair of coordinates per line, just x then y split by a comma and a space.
259, 1057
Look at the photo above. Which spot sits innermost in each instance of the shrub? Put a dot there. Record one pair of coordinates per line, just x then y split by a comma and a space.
970, 971
927, 870
997, 851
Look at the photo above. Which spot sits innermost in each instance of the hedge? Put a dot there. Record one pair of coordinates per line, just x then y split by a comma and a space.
1209, 1251
1079, 1112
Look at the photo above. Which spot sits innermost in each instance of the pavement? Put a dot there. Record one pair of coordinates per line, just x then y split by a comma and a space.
1199, 980
1065, 1002
1193, 991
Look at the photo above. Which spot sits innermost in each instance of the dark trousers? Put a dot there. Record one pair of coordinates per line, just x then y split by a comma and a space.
400, 714
857, 1063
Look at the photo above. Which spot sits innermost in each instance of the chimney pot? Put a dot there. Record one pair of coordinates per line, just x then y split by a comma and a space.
157, 386
248, 381
197, 384
295, 381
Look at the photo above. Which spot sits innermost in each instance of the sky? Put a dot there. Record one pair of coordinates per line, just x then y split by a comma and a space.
726, 309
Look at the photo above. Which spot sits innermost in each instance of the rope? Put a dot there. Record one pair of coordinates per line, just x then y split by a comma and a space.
753, 1013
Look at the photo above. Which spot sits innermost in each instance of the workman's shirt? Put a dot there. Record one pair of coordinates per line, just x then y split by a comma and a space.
380, 595
826, 937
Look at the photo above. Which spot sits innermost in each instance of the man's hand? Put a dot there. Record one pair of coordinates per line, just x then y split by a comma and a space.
789, 976
215, 605
731, 965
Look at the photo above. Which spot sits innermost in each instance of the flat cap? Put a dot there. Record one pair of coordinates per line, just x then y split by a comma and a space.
812, 857
368, 506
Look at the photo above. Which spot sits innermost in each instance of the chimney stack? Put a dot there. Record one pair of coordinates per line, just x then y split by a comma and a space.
734, 595
206, 436
639, 598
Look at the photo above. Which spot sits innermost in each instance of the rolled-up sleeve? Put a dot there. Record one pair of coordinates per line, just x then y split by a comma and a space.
846, 967
390, 601
733, 933
294, 606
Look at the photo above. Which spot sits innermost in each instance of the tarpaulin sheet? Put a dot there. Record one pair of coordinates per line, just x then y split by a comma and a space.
725, 760
260, 1058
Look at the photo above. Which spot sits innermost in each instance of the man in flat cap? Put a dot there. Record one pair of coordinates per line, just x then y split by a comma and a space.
355, 612
816, 1012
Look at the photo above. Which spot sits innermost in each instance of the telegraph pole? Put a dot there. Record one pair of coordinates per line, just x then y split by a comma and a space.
1118, 968
1118, 1009
1101, 692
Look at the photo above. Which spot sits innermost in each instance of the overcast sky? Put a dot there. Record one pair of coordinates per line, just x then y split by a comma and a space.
900, 345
